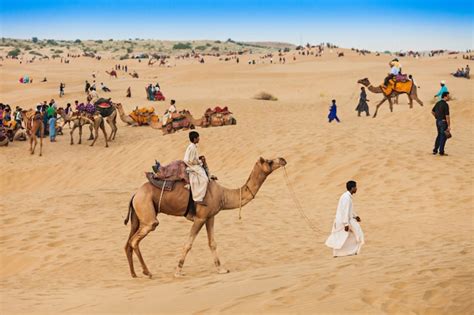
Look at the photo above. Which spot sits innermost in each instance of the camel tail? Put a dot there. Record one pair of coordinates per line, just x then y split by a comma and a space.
130, 210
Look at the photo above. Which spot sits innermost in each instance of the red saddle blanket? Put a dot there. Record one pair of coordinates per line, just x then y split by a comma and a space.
217, 109
175, 171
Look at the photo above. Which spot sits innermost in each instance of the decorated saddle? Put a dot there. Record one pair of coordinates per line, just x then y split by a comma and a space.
217, 110
165, 176
400, 87
104, 107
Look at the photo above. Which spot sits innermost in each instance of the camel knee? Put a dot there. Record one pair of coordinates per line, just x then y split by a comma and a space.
154, 225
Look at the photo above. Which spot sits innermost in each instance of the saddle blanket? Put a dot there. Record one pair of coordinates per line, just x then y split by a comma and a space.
161, 184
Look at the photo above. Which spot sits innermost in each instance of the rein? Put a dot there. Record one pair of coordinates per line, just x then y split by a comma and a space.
240, 198
298, 204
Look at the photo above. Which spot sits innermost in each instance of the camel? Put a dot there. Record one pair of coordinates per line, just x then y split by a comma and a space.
66, 118
412, 96
143, 211
34, 124
95, 122
112, 73
112, 121
124, 117
214, 121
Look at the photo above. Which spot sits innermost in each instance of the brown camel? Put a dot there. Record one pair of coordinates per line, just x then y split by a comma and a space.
124, 117
34, 124
112, 73
213, 121
95, 122
145, 205
412, 96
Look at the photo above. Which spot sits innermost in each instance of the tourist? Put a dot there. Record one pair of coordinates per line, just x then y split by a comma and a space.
346, 237
442, 90
333, 112
197, 175
443, 123
52, 126
18, 116
129, 92
363, 106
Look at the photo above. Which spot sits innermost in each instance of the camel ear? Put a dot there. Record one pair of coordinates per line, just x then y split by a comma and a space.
262, 160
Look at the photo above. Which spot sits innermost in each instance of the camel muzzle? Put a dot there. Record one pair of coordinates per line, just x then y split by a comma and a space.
282, 161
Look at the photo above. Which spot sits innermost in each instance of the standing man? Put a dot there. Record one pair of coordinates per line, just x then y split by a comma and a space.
87, 87
197, 175
443, 123
346, 238
443, 89
363, 106
333, 112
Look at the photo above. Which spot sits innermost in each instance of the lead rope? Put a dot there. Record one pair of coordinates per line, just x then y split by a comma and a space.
161, 196
298, 204
240, 210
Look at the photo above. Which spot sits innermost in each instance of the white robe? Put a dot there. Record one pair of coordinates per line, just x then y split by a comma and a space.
345, 243
197, 175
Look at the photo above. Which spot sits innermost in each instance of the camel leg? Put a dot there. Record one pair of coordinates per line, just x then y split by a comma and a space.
32, 147
390, 104
415, 97
143, 231
96, 129
410, 101
213, 245
71, 133
396, 99
197, 225
128, 247
102, 126
377, 107
41, 139
91, 128
113, 126
80, 133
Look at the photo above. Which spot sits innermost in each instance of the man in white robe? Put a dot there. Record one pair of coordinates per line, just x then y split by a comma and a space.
197, 175
346, 237
169, 113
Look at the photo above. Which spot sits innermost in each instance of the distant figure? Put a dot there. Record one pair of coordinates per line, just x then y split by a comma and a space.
61, 89
443, 123
333, 112
363, 106
346, 237
44, 80
129, 92
442, 90
104, 87
87, 87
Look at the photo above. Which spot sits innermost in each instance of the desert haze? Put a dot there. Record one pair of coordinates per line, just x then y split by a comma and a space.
62, 235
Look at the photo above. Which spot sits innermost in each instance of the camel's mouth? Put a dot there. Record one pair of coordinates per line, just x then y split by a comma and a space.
282, 161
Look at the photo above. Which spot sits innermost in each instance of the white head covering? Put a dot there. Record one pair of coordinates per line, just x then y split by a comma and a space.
443, 82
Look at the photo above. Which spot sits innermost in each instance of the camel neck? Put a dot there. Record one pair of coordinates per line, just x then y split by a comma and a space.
234, 198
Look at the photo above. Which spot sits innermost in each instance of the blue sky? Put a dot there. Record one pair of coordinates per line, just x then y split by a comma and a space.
376, 25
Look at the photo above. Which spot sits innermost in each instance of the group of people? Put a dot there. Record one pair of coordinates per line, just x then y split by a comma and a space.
153, 92
463, 73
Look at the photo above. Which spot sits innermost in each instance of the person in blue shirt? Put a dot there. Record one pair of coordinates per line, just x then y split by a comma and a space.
333, 112
442, 90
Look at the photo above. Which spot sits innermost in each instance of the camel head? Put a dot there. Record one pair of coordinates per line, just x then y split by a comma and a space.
364, 82
268, 166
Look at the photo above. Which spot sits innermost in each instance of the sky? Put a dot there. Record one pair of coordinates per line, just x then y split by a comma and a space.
375, 25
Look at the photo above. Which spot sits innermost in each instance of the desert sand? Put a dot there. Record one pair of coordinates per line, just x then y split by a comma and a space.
62, 232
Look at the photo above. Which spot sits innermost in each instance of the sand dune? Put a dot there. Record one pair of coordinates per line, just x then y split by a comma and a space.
62, 234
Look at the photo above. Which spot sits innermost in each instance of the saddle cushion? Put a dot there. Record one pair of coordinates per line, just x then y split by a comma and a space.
175, 171
400, 87
166, 185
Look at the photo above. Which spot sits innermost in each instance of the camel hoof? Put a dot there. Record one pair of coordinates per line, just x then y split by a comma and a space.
179, 274
223, 271
147, 273
91, 145
134, 275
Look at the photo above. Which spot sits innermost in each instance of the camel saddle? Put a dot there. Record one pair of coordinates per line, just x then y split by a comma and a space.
167, 185
104, 107
400, 87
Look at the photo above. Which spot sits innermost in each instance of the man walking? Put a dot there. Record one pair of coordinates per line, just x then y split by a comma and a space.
346, 237
443, 123
333, 112
363, 106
